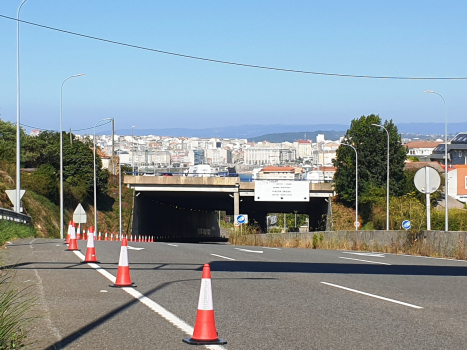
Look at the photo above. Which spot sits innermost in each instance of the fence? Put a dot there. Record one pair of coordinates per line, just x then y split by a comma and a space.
6, 214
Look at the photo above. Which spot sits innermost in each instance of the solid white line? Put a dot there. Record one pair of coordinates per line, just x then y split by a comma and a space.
173, 245
250, 251
167, 315
373, 296
368, 261
376, 255
272, 248
223, 257
134, 248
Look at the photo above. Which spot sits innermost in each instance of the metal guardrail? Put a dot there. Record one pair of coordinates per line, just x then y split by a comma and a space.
7, 214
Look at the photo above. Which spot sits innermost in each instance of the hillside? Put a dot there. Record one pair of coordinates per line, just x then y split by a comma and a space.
294, 136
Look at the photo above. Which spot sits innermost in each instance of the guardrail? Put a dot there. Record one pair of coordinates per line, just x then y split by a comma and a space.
7, 214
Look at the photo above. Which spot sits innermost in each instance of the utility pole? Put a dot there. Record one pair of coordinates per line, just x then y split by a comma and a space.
113, 147
71, 139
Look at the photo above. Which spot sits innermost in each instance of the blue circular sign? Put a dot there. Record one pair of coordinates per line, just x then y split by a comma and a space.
241, 219
406, 224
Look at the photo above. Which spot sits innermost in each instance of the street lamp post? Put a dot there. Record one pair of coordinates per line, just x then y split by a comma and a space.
95, 187
132, 151
387, 179
356, 184
18, 129
120, 196
446, 188
61, 153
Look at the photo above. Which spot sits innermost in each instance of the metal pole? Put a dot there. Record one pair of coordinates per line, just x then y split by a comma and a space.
446, 188
95, 186
427, 189
132, 152
387, 180
18, 127
356, 185
113, 147
120, 196
285, 223
61, 153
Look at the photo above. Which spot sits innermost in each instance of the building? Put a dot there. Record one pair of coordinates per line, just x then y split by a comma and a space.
457, 151
279, 173
421, 149
304, 148
458, 183
268, 155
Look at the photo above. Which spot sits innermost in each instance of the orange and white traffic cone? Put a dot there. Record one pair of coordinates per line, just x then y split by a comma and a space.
73, 245
152, 239
91, 249
117, 237
84, 235
131, 238
205, 327
123, 273
78, 233
106, 238
71, 227
111, 236
99, 238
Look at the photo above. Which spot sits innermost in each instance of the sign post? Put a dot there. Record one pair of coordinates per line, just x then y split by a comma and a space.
12, 195
427, 180
79, 215
406, 225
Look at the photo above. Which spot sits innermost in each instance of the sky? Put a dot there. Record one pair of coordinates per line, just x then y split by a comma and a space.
154, 90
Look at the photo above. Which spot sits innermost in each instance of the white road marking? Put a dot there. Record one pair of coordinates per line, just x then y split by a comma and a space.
173, 245
368, 261
373, 295
223, 257
376, 255
272, 248
167, 315
134, 248
249, 251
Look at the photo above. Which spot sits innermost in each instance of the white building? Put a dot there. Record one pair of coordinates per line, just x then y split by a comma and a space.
268, 155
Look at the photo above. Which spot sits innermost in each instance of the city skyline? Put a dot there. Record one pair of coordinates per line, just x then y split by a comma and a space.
153, 90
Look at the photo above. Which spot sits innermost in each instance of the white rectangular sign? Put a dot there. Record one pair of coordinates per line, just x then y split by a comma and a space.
282, 191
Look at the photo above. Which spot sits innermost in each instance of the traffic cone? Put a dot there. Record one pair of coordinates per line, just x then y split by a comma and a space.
91, 250
111, 236
84, 234
117, 238
152, 239
71, 227
100, 236
123, 273
139, 238
78, 233
106, 238
73, 245
205, 326
131, 238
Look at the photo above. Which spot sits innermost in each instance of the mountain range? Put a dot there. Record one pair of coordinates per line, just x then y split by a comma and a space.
301, 130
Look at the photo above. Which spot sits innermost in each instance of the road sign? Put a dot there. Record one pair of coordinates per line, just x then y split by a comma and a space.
427, 180
79, 215
356, 224
241, 219
12, 195
272, 219
406, 224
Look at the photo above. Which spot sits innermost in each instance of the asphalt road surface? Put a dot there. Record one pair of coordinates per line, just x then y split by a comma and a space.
264, 298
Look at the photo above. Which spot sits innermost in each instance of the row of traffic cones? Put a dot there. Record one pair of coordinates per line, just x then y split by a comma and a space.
204, 333
102, 237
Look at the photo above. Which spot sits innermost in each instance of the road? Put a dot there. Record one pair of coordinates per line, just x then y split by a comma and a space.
263, 298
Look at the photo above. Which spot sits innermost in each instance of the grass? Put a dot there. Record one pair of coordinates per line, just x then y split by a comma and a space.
15, 304
11, 230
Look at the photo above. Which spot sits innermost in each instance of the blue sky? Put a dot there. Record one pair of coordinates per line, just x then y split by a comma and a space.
152, 90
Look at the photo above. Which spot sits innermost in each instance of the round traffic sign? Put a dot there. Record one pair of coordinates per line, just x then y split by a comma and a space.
241, 219
406, 224
356, 224
427, 180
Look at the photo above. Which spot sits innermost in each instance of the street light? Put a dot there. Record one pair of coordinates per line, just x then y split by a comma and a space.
18, 134
132, 152
61, 154
446, 227
356, 184
387, 180
120, 196
95, 187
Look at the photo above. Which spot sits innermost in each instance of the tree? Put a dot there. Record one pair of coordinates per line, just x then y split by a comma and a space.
371, 145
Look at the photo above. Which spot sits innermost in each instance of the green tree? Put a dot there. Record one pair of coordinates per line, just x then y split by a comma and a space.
371, 145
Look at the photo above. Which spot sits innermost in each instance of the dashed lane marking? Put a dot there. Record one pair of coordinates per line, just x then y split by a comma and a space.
272, 248
373, 295
172, 245
376, 255
223, 257
368, 261
249, 251
161, 311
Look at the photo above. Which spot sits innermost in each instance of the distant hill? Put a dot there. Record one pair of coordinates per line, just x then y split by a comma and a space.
254, 131
293, 136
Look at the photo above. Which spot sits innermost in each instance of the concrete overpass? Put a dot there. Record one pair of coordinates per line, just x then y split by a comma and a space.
180, 208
